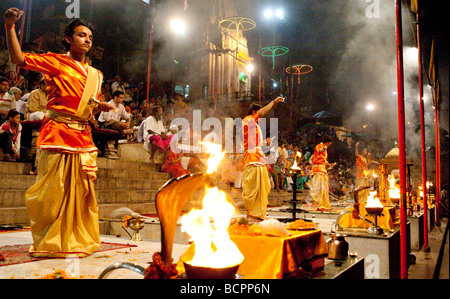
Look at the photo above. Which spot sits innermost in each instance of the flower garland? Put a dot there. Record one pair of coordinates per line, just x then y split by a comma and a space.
159, 269
126, 220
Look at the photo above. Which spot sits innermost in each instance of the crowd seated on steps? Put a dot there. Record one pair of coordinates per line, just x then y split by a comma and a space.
137, 119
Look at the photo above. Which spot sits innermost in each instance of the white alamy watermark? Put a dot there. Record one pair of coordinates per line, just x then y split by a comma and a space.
372, 266
73, 267
228, 133
73, 9
373, 9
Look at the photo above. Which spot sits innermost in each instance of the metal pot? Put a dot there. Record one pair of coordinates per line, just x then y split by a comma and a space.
337, 247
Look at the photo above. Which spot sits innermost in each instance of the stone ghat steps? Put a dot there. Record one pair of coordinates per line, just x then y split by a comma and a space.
130, 184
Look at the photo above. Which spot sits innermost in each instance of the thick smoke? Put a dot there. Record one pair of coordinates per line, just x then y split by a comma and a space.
367, 73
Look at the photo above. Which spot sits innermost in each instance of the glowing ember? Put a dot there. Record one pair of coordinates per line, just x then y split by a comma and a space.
213, 246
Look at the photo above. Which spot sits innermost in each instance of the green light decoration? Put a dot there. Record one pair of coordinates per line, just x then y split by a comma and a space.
273, 51
298, 70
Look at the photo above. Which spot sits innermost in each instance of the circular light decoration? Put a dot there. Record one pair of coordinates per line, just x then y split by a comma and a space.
238, 24
273, 51
298, 70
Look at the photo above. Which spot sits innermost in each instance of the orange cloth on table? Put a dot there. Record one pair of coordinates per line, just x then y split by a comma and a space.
385, 222
252, 140
267, 257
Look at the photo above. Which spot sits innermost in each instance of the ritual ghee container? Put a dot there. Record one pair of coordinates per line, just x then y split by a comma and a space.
337, 247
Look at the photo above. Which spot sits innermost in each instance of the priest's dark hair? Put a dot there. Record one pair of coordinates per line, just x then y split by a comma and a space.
327, 138
70, 29
253, 107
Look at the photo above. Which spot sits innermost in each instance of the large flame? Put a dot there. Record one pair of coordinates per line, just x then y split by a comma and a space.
213, 246
394, 191
216, 156
373, 201
208, 227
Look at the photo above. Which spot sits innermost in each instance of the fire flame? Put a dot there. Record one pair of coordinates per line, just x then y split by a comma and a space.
213, 246
373, 201
394, 191
208, 227
374, 174
295, 165
216, 156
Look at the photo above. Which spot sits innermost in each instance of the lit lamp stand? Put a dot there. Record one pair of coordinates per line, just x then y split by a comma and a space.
294, 170
375, 212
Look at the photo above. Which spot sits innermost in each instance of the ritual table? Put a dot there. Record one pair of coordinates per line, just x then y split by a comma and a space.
386, 221
268, 257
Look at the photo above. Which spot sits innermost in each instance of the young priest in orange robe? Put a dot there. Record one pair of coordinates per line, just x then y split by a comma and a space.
61, 205
319, 181
255, 177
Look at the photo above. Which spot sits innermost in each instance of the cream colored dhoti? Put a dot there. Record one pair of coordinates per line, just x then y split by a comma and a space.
62, 207
255, 189
319, 189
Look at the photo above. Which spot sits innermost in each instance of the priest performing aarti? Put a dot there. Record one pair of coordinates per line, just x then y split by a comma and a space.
362, 173
319, 172
255, 176
61, 205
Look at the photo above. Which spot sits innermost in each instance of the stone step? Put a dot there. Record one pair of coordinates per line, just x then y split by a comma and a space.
15, 168
23, 182
18, 215
131, 165
127, 174
17, 181
133, 184
16, 198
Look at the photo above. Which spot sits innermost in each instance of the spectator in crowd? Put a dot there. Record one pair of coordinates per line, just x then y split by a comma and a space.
20, 105
6, 99
36, 105
156, 138
106, 92
114, 118
172, 164
10, 133
117, 85
278, 174
5, 63
180, 108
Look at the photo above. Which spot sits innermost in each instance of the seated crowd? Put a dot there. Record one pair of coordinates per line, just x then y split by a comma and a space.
23, 97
